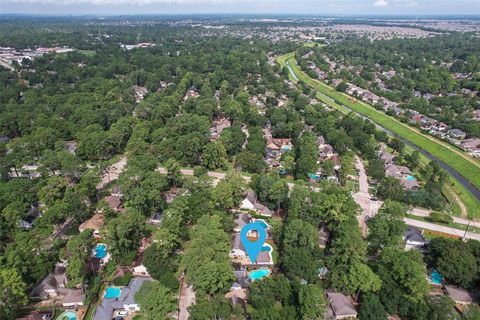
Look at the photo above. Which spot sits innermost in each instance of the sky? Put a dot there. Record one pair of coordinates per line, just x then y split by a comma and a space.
311, 7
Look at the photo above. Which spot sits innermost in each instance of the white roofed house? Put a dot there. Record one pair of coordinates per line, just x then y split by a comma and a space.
249, 202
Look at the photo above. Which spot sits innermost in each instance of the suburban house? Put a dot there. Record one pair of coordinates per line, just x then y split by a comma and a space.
457, 134
218, 126
156, 218
114, 202
126, 301
95, 223
403, 174
472, 146
139, 270
323, 236
39, 315
237, 251
326, 151
387, 157
53, 288
414, 239
250, 203
241, 281
191, 93
27, 222
171, 194
459, 295
340, 306
241, 220
139, 93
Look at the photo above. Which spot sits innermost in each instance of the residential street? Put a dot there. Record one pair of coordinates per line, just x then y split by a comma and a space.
439, 228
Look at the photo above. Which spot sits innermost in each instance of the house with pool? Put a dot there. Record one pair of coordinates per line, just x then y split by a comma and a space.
117, 299
239, 255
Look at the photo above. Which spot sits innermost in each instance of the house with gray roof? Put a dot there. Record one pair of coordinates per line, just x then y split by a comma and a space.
241, 281
457, 134
414, 239
340, 306
241, 220
126, 301
53, 287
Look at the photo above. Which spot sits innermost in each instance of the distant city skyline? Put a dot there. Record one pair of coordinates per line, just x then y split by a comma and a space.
312, 7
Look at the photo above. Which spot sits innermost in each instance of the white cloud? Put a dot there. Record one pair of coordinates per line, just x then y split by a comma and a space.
380, 3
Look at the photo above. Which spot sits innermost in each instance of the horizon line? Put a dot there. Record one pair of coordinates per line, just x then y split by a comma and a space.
238, 14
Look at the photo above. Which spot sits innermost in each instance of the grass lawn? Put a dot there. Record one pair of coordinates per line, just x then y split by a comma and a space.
462, 163
313, 44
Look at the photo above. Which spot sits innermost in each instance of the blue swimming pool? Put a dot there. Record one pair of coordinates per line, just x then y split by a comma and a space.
266, 248
258, 274
411, 178
112, 292
263, 223
100, 251
68, 315
436, 277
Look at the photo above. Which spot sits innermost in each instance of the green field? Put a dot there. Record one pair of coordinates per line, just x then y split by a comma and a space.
462, 163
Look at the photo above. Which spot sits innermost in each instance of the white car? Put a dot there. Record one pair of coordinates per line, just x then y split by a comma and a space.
122, 314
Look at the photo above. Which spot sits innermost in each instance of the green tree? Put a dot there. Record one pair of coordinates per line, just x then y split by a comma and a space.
12, 290
279, 193
174, 174
156, 301
442, 308
124, 234
306, 155
371, 308
206, 261
214, 155
206, 308
405, 272
471, 312
454, 260
312, 302
387, 227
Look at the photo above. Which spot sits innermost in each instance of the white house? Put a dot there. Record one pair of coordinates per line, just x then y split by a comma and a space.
249, 202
